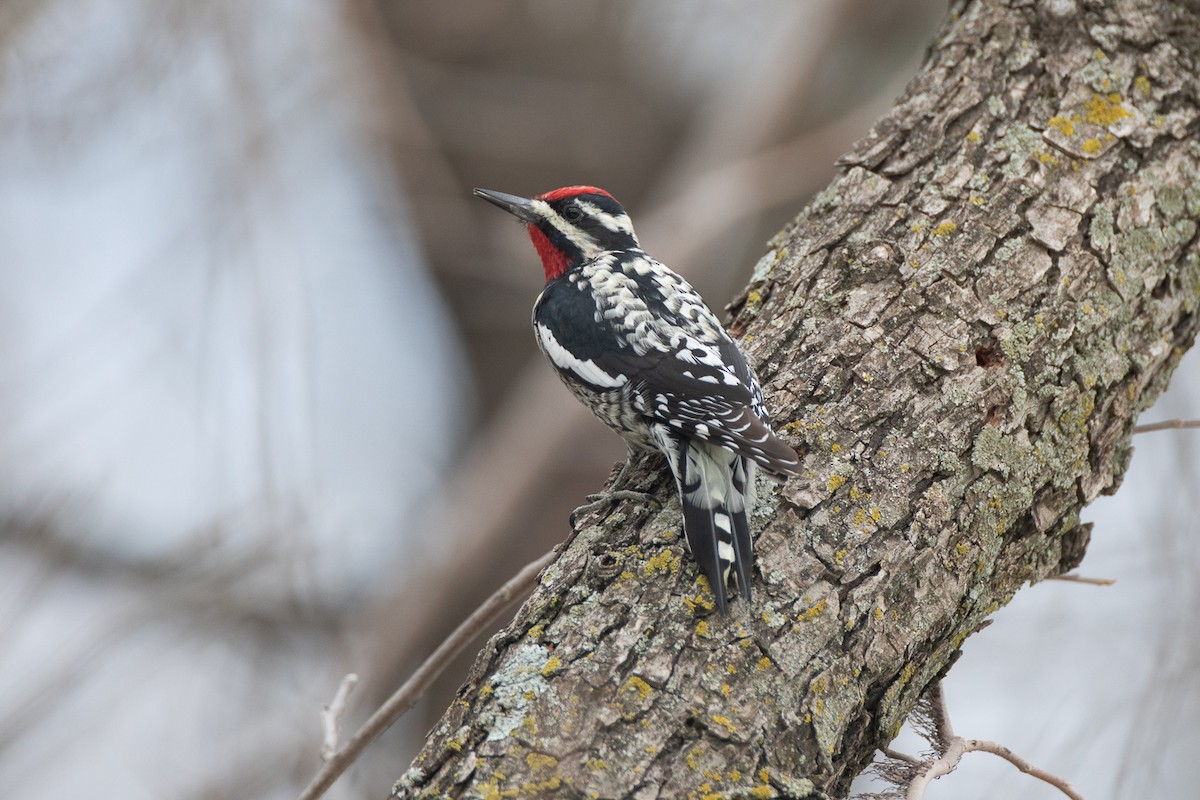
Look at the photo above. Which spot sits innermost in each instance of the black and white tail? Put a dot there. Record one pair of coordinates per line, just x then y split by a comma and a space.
716, 488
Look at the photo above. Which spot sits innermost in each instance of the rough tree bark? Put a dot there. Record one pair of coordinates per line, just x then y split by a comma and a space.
958, 333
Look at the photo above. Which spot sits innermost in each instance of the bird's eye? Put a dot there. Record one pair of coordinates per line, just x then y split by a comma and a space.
573, 213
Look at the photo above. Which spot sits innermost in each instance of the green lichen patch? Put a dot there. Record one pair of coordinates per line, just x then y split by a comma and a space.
515, 685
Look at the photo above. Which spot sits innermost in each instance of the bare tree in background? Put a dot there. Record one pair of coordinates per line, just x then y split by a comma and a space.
959, 332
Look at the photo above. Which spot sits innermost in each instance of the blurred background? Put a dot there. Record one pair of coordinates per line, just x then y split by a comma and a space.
271, 411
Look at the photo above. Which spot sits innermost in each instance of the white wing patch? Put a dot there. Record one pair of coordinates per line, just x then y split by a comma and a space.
585, 369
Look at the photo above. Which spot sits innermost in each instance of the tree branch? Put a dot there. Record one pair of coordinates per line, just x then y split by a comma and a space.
958, 333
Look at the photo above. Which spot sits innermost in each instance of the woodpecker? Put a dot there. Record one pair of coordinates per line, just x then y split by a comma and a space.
637, 345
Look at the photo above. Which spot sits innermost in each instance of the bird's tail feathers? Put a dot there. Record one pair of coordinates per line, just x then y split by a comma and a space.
716, 487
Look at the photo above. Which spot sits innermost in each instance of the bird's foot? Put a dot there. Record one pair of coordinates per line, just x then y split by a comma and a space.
623, 494
597, 501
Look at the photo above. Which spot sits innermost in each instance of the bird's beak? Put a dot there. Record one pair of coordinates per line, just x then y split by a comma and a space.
519, 207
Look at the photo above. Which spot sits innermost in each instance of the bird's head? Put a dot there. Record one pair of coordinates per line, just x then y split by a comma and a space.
569, 226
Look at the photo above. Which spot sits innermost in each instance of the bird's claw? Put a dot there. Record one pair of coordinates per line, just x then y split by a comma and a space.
602, 499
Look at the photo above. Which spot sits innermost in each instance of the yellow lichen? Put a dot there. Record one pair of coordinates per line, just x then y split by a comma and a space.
973, 137
764, 663
765, 792
812, 612
536, 631
945, 229
726, 689
540, 762
835, 448
664, 562
731, 669
855, 493
1091, 146
1046, 158
835, 482
702, 627
596, 764
840, 555
860, 517
876, 515
539, 788
764, 776
724, 722
878, 612
1062, 124
638, 685
754, 299
552, 664
703, 600
490, 790
1104, 110
455, 744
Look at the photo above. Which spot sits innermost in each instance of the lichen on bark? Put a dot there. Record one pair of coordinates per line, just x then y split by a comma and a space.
958, 334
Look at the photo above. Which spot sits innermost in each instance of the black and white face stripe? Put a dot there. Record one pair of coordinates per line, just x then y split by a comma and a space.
585, 226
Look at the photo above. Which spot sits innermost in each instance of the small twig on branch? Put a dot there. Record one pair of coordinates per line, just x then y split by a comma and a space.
411, 691
978, 745
905, 757
1167, 425
935, 725
330, 714
1071, 577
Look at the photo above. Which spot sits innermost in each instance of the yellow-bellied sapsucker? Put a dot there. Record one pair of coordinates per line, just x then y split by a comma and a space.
636, 343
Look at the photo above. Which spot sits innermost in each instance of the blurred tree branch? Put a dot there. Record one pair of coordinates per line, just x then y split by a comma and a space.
960, 332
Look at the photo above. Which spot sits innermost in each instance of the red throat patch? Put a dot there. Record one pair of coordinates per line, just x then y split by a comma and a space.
554, 261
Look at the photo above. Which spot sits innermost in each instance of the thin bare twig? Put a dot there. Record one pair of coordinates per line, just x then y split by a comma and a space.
411, 691
979, 745
898, 756
1073, 578
1167, 425
951, 748
330, 714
